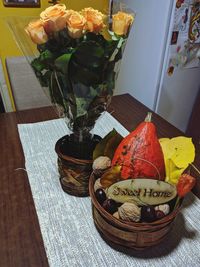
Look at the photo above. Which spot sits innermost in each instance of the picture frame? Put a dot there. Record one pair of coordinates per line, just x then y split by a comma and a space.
21, 3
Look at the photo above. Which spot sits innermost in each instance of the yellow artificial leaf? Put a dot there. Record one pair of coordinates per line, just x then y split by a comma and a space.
169, 167
172, 172
175, 175
164, 142
184, 151
178, 153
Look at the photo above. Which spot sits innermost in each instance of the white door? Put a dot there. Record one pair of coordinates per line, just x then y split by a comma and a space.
177, 96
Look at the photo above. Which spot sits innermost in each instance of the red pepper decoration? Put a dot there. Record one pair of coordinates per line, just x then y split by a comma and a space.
185, 184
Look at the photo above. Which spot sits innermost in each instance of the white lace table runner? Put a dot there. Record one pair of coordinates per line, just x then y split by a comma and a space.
69, 235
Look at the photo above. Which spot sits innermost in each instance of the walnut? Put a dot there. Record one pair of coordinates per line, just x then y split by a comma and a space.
101, 164
129, 212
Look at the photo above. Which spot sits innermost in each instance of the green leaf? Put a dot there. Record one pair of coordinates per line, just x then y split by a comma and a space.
115, 38
89, 55
46, 56
82, 105
57, 43
79, 74
112, 145
37, 65
44, 61
111, 32
62, 63
93, 92
107, 145
44, 78
47, 77
110, 47
98, 38
114, 48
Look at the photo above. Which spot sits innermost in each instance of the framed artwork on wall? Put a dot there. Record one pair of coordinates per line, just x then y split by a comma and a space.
21, 3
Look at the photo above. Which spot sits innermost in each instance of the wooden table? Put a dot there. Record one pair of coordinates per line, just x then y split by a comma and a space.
21, 242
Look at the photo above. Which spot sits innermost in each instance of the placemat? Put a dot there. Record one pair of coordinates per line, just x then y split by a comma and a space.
69, 235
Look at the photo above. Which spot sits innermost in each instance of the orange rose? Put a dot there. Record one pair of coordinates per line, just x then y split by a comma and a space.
54, 18
76, 23
36, 32
94, 19
121, 23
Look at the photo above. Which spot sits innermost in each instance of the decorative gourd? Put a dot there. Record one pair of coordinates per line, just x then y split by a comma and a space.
140, 153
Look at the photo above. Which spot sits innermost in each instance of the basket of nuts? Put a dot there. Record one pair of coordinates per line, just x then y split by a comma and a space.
137, 191
121, 224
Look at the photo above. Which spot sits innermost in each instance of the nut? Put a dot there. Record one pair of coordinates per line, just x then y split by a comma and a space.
129, 212
164, 208
101, 164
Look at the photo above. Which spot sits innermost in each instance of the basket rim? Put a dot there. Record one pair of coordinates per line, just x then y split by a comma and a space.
70, 158
129, 225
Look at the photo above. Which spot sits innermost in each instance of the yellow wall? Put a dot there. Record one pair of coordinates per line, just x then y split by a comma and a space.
8, 46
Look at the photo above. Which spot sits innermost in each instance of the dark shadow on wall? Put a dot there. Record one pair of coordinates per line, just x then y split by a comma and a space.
2, 110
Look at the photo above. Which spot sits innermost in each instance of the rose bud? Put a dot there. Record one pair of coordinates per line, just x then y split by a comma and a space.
54, 18
36, 32
121, 23
75, 24
94, 19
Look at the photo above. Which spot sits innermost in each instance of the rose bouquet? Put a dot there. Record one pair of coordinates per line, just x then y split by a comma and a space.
77, 62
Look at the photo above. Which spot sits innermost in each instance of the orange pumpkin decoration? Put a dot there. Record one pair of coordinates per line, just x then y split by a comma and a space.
140, 153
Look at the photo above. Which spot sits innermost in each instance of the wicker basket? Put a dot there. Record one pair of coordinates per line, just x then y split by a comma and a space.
74, 172
74, 175
126, 236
